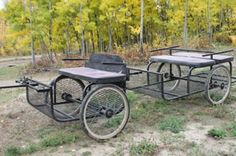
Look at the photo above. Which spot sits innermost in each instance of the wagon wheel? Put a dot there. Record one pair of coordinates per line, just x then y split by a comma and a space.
72, 87
218, 85
104, 112
172, 82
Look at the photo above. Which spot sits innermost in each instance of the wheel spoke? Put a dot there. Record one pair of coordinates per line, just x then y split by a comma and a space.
72, 87
218, 85
170, 79
105, 112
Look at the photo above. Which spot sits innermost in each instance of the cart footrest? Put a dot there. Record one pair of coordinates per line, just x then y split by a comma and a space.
154, 89
54, 113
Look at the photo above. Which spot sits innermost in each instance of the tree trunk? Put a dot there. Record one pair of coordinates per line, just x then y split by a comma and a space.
197, 27
32, 35
185, 30
141, 26
221, 14
100, 43
92, 39
82, 34
86, 47
110, 38
209, 22
82, 45
50, 31
68, 40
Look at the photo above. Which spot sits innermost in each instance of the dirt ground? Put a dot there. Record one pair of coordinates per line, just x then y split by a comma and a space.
20, 125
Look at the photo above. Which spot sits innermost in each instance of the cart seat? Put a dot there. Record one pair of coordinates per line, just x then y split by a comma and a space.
183, 60
106, 62
100, 68
93, 75
218, 58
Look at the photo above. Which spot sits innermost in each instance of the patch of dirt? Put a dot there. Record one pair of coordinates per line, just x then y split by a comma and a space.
20, 123
150, 135
196, 132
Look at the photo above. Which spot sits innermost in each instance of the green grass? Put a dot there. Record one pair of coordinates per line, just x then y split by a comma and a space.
227, 131
217, 133
57, 139
86, 153
231, 98
132, 96
16, 151
31, 149
199, 113
43, 132
151, 112
8, 73
143, 148
171, 123
149, 109
50, 140
113, 122
231, 129
13, 151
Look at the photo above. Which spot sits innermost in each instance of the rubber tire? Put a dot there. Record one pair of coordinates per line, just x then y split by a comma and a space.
207, 85
60, 77
83, 107
179, 71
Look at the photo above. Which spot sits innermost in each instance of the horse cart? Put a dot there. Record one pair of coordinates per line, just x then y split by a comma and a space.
96, 93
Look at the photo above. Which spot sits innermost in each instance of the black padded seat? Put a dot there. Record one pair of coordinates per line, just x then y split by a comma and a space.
183, 60
218, 58
93, 75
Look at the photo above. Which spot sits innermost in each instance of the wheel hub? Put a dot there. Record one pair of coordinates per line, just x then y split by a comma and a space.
222, 86
66, 96
213, 85
166, 75
109, 113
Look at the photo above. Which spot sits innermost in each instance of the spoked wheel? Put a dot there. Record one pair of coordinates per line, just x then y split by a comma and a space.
105, 112
218, 85
170, 77
67, 87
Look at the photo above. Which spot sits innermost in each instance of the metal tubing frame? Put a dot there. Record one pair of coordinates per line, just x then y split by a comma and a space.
192, 50
13, 86
87, 89
188, 79
219, 52
167, 48
148, 67
175, 48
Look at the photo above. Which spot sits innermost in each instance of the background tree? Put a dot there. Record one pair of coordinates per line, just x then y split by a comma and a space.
141, 26
87, 26
185, 30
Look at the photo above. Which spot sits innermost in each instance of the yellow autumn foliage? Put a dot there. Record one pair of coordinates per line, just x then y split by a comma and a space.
233, 39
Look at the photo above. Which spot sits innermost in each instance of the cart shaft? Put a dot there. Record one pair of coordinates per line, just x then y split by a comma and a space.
13, 86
